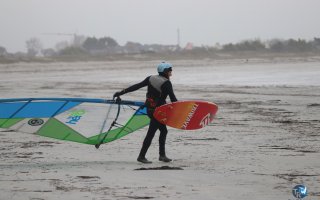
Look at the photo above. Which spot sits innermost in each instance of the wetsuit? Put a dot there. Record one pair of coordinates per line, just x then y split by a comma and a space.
159, 88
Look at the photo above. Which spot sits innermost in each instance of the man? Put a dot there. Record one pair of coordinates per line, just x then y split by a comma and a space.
159, 88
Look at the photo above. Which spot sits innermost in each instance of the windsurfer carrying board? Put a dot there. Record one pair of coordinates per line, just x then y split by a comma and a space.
159, 88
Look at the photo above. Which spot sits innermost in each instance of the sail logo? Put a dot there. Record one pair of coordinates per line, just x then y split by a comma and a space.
75, 116
35, 122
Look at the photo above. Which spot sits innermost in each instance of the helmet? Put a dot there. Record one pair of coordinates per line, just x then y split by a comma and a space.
164, 67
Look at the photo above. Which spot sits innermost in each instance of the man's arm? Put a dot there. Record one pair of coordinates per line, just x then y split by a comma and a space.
167, 87
133, 87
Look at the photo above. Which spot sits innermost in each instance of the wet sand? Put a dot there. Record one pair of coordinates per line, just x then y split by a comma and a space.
263, 142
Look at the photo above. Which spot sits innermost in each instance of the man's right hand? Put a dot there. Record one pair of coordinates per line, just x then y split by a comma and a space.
116, 95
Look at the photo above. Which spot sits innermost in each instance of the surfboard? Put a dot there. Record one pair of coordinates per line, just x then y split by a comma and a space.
186, 115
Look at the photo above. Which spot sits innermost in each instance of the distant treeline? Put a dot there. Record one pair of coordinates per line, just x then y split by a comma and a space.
275, 45
106, 46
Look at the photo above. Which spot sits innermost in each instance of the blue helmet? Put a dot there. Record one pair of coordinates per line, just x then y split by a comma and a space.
164, 67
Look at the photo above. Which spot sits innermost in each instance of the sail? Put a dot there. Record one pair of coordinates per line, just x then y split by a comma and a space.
87, 121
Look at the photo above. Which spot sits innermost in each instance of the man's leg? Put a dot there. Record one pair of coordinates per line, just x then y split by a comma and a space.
162, 139
162, 143
153, 127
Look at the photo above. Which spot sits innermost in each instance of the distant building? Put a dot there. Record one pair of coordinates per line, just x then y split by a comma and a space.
3, 51
189, 46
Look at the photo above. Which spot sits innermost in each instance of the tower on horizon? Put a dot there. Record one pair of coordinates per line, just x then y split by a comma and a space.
178, 38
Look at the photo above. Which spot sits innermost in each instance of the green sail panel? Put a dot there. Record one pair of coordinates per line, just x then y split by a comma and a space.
56, 129
135, 123
7, 123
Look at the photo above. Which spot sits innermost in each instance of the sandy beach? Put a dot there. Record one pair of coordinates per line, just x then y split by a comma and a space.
263, 142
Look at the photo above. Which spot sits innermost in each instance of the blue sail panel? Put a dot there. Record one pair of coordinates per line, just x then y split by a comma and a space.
34, 109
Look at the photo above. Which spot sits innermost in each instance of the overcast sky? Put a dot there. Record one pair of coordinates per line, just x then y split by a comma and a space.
204, 22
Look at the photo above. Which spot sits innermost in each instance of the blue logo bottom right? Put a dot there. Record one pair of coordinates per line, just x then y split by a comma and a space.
300, 191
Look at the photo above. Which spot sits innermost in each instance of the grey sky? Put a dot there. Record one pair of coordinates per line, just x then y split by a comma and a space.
156, 21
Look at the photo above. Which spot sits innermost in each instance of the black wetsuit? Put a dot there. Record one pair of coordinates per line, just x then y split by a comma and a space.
159, 88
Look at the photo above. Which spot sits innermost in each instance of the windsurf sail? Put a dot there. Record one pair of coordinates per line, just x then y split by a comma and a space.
82, 120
